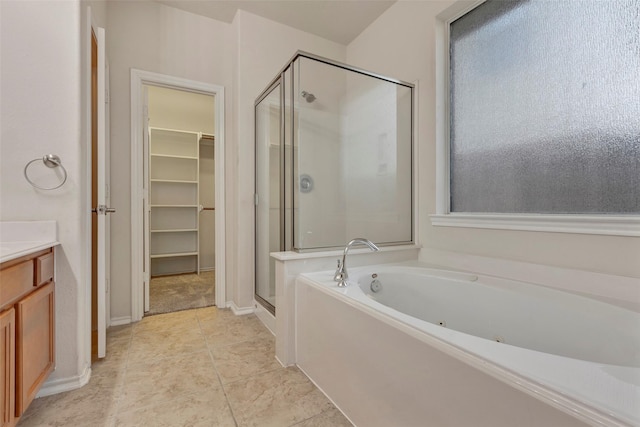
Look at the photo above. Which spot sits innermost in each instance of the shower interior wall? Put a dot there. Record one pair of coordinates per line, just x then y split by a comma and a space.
377, 159
318, 138
354, 141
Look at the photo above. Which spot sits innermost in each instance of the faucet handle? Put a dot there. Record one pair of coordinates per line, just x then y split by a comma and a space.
338, 276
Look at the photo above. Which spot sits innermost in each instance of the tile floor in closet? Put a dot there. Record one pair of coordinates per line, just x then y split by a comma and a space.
202, 367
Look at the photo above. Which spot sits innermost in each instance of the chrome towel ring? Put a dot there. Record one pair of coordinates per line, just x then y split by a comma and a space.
50, 161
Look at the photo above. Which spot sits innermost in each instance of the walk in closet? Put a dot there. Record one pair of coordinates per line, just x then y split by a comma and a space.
180, 219
181, 182
174, 166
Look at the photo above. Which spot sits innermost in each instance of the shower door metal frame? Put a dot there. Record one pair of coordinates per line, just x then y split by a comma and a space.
277, 81
287, 192
292, 61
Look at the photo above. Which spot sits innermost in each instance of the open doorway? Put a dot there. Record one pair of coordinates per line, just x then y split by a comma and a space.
181, 204
141, 196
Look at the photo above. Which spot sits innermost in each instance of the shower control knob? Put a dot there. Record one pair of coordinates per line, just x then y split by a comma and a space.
306, 183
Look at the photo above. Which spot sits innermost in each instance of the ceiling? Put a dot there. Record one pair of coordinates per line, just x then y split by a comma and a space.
338, 20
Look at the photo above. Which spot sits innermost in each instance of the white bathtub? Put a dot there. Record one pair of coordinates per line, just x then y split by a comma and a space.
442, 348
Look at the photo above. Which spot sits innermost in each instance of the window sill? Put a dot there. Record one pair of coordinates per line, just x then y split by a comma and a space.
612, 225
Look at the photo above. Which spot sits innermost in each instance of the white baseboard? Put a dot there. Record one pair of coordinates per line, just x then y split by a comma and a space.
268, 319
60, 385
207, 269
282, 364
239, 311
117, 321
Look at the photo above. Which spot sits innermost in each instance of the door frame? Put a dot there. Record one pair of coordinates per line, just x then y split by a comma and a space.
92, 28
139, 78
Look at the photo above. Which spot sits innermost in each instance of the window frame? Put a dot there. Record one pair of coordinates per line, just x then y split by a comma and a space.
614, 225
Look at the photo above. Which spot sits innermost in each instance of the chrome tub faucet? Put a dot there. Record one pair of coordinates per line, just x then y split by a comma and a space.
341, 275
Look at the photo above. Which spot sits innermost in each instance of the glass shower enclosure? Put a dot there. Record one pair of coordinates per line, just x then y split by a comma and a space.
334, 161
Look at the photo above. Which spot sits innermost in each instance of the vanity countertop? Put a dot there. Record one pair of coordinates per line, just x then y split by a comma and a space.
19, 238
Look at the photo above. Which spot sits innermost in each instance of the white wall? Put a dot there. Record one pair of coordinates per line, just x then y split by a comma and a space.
243, 57
152, 37
264, 47
408, 53
377, 159
40, 83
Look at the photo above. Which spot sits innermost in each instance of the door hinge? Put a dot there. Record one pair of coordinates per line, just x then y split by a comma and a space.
255, 199
106, 286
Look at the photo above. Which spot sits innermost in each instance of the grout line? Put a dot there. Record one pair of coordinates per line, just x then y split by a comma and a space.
128, 364
215, 368
252, 376
216, 346
306, 419
116, 411
127, 367
157, 402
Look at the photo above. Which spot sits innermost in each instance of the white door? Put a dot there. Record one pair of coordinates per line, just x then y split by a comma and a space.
147, 207
102, 205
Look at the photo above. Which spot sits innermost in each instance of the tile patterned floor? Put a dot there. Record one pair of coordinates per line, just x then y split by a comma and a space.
203, 367
181, 292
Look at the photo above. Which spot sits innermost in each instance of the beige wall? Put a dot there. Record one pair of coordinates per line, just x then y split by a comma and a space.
408, 53
243, 57
182, 110
43, 102
264, 47
152, 37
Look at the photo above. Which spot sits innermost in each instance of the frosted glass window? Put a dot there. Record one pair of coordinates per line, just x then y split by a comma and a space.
545, 107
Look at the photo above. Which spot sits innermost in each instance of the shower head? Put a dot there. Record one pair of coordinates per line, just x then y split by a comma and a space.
308, 96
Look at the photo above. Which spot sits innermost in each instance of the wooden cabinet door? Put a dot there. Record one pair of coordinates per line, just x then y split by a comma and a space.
7, 367
35, 344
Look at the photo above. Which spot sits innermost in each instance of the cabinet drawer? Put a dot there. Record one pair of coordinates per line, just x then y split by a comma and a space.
44, 269
15, 281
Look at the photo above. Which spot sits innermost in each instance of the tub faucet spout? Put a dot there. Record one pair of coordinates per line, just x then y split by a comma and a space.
341, 275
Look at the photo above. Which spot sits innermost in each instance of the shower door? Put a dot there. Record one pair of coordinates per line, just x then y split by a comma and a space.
334, 160
352, 156
269, 204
